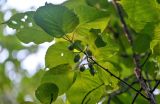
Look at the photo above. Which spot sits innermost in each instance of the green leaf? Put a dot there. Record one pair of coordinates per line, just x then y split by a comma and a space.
78, 45
99, 4
99, 42
155, 43
88, 14
151, 68
110, 49
90, 18
155, 46
87, 89
59, 100
27, 30
109, 81
158, 1
58, 54
61, 75
140, 13
142, 43
35, 35
122, 99
72, 4
57, 21
83, 31
20, 20
47, 93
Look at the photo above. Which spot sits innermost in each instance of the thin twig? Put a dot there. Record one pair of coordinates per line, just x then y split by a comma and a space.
146, 59
151, 80
73, 37
135, 97
146, 71
155, 86
129, 77
118, 92
68, 38
65, 39
91, 92
118, 78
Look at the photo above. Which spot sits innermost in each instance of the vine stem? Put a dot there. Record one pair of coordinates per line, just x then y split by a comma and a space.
136, 58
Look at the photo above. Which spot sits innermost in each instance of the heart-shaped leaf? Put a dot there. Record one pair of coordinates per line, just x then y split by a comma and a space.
56, 20
47, 92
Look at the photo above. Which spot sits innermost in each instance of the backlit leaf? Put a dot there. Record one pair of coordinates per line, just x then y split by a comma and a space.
61, 75
99, 4
58, 54
57, 21
140, 13
27, 30
155, 43
87, 89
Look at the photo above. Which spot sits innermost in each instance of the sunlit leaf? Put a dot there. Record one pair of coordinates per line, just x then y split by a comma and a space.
59, 100
109, 81
72, 4
155, 43
110, 49
99, 4
88, 14
86, 89
61, 75
58, 54
140, 13
27, 30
